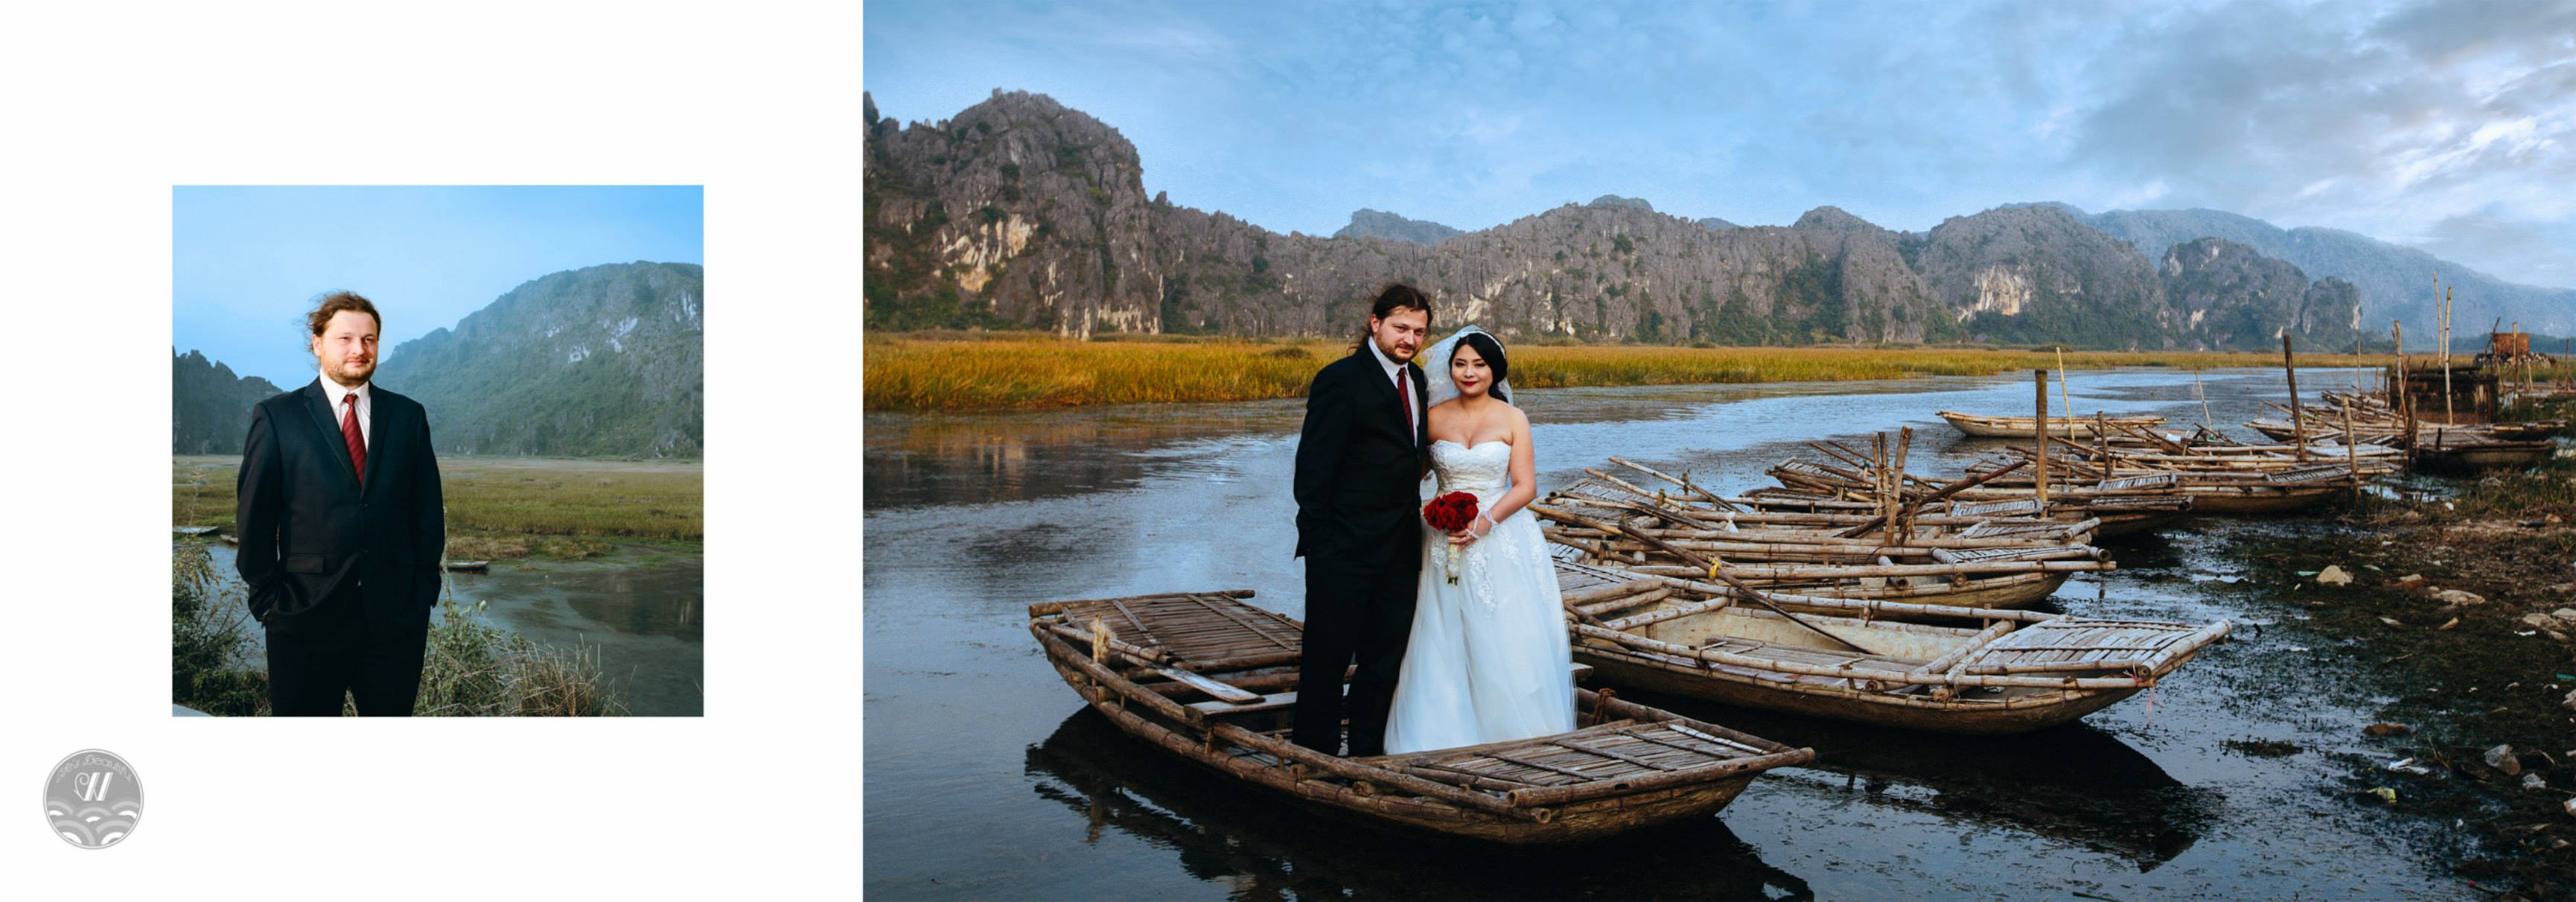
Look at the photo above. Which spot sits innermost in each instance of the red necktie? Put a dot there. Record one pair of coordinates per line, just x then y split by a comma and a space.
1404, 401
349, 432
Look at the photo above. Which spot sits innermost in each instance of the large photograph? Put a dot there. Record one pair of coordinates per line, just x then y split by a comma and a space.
437, 451
1852, 451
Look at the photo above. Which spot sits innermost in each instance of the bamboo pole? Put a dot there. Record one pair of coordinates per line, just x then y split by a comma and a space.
1878, 472
2448, 414
2040, 378
1817, 572
1683, 480
1945, 492
2351, 458
2298, 417
2102, 447
1896, 487
2397, 401
2197, 392
1876, 674
2065, 398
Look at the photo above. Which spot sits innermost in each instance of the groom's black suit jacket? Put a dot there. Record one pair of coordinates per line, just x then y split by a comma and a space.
310, 528
1359, 476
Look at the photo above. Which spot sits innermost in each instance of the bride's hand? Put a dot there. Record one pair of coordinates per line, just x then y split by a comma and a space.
1467, 536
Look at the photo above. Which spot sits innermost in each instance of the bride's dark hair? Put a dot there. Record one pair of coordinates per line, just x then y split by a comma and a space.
1493, 353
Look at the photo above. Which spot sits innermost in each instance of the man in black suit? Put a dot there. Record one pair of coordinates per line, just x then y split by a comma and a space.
1359, 473
341, 527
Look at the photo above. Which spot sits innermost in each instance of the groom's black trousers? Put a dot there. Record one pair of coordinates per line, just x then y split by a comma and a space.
1362, 611
332, 651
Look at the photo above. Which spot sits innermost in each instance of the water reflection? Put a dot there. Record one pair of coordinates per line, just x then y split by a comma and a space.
1223, 831
913, 460
2075, 783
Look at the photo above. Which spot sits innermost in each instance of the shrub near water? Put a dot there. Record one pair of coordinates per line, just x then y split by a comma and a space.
952, 371
471, 668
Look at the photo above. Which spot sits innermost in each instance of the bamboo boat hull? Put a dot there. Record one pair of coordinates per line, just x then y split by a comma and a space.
2026, 427
1861, 662
2498, 455
2260, 501
2115, 525
1499, 792
2019, 714
2019, 590
1572, 823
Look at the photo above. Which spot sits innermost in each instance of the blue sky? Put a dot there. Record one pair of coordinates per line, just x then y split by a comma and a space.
2445, 125
248, 261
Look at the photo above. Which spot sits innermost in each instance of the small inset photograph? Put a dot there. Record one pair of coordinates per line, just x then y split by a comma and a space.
437, 451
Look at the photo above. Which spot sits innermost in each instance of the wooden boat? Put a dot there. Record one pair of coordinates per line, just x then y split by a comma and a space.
193, 530
2485, 454
469, 566
1984, 426
2450, 447
2278, 491
1997, 561
1211, 679
2021, 671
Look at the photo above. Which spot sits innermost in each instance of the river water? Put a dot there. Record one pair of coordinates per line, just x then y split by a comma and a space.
641, 609
985, 777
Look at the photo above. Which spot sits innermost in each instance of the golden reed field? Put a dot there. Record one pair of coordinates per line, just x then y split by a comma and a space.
971, 371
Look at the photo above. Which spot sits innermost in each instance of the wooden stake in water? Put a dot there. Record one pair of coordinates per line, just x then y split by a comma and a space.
2040, 381
2448, 415
2101, 445
2298, 420
2202, 395
1896, 486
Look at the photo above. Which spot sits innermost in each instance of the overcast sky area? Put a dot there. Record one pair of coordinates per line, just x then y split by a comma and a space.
2446, 125
248, 262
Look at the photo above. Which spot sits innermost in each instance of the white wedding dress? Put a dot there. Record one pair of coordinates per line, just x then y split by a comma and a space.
1487, 661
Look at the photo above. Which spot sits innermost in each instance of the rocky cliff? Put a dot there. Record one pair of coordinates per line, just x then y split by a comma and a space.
601, 361
1022, 213
2393, 282
1367, 223
209, 406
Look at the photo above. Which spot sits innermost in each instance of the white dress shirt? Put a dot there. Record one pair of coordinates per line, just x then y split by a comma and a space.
366, 407
1394, 374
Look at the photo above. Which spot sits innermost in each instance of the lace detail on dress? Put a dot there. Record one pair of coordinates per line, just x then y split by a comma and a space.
1480, 471
1486, 659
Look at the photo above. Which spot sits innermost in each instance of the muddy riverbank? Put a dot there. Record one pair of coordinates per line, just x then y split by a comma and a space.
2456, 621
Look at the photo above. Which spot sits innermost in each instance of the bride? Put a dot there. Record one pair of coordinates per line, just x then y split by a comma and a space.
1487, 660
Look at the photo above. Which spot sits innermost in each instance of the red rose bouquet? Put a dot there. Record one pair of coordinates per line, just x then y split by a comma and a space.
1450, 513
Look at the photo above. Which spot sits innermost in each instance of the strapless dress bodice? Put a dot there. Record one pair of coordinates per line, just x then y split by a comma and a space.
1483, 469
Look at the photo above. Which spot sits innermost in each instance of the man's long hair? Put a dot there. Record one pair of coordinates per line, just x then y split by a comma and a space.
337, 301
1391, 297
